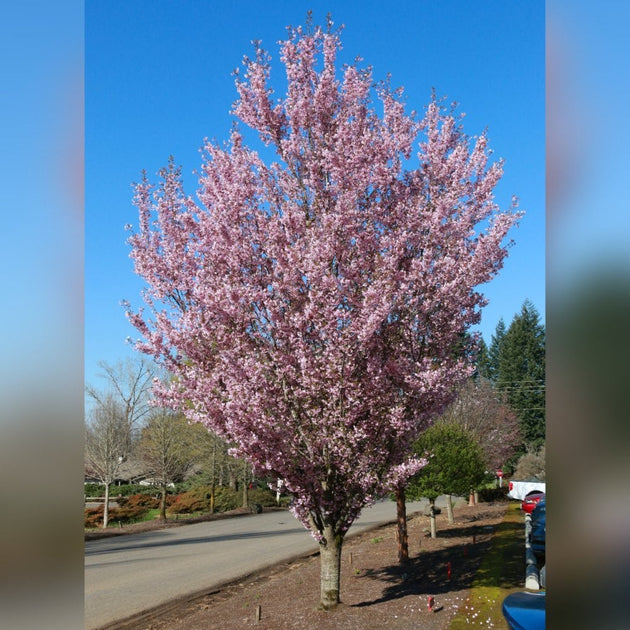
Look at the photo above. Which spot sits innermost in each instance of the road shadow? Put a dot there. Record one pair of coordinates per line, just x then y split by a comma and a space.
166, 540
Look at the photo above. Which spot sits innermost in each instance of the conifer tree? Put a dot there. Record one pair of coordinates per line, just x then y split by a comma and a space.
483, 360
495, 349
521, 372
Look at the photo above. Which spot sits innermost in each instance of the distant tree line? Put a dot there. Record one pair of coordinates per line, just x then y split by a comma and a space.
128, 440
514, 363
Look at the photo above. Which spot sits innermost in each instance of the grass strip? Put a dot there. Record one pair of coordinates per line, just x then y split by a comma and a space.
502, 571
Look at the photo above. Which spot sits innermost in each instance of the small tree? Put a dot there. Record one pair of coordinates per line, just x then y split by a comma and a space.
455, 466
107, 444
129, 383
169, 446
531, 465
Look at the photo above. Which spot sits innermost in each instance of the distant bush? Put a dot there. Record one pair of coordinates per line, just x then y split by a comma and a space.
195, 500
134, 507
489, 495
130, 509
129, 512
531, 465
226, 499
98, 489
148, 501
93, 517
262, 496
93, 489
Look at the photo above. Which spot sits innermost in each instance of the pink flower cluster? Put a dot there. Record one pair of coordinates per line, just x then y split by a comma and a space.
312, 310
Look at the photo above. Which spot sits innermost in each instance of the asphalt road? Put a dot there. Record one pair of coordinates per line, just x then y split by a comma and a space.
127, 575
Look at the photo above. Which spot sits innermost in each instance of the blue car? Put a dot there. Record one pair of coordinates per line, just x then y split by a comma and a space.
538, 531
525, 610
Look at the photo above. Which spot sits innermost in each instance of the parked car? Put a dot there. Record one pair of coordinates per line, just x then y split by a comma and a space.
525, 610
531, 500
539, 530
539, 512
519, 489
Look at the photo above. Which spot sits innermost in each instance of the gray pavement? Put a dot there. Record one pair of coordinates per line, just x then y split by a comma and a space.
127, 575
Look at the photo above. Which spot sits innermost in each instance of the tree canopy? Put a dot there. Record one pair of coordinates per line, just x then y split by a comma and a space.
311, 308
483, 411
520, 372
455, 462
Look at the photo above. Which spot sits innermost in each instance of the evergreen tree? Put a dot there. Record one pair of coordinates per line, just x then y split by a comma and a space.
483, 360
494, 350
521, 372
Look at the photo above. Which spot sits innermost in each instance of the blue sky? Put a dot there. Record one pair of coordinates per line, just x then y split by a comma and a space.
158, 81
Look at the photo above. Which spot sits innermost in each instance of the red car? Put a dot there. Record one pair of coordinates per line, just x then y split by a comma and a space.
531, 501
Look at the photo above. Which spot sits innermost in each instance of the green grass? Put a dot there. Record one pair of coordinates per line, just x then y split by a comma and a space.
502, 571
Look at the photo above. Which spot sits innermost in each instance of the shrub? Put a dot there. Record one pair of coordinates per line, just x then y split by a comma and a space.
98, 489
531, 465
285, 501
226, 499
128, 514
93, 517
130, 509
128, 489
195, 500
93, 489
134, 501
262, 496
488, 495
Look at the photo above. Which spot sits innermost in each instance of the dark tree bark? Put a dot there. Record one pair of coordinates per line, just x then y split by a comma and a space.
401, 533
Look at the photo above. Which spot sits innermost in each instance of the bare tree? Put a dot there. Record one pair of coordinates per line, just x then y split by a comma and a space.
169, 448
130, 383
107, 444
531, 465
481, 409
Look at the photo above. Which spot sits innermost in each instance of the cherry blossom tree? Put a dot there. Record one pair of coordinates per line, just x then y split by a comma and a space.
311, 306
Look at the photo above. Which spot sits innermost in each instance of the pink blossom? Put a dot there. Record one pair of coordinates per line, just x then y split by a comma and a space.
312, 310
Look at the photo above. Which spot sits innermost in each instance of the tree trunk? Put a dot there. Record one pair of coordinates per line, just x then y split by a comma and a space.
245, 494
214, 460
471, 498
449, 509
106, 507
401, 533
432, 519
330, 568
163, 503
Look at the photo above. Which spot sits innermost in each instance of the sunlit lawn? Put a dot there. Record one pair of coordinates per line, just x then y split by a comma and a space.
502, 572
